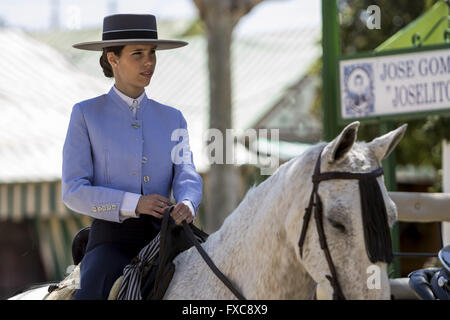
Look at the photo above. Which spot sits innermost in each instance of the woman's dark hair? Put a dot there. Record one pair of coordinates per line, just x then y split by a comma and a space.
107, 69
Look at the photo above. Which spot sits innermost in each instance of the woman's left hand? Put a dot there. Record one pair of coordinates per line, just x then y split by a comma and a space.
181, 212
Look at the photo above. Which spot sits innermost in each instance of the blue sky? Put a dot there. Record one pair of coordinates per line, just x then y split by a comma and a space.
269, 15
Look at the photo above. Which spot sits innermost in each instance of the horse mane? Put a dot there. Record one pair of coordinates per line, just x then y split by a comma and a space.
267, 194
289, 173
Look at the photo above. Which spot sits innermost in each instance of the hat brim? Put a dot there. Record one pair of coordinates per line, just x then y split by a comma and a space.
99, 45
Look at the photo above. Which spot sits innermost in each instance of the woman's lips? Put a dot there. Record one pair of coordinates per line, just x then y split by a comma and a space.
147, 75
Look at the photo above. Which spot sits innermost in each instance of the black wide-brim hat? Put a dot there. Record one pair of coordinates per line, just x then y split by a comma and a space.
127, 29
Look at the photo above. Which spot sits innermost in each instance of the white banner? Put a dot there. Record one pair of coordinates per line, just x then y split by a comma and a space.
395, 84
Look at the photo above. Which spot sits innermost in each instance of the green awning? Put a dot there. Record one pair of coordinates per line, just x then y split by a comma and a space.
20, 201
429, 29
41, 205
55, 242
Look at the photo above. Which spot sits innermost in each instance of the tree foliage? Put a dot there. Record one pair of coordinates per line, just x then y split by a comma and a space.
395, 15
423, 139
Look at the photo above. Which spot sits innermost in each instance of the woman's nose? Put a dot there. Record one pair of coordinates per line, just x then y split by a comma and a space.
149, 60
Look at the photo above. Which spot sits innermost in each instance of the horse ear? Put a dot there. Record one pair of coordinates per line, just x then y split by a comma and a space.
342, 144
383, 146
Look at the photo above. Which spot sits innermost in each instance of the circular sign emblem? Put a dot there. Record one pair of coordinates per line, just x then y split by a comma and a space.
359, 97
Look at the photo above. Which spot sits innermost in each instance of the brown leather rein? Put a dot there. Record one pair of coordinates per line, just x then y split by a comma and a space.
314, 201
210, 263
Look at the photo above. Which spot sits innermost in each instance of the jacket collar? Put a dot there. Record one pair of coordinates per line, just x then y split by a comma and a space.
121, 102
129, 101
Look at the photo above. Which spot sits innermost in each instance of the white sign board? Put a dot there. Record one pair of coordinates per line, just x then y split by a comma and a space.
395, 84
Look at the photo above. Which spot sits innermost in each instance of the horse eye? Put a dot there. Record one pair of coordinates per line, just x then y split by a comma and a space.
337, 225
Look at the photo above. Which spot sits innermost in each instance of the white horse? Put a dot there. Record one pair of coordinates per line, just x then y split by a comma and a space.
257, 247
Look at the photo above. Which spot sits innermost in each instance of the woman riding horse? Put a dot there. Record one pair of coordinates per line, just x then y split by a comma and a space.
118, 161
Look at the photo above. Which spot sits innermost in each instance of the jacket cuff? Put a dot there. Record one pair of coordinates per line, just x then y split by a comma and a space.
191, 206
128, 206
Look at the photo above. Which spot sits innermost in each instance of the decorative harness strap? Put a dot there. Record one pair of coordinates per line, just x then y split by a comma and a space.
315, 201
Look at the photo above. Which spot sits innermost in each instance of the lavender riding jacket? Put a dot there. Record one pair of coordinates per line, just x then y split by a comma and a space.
107, 153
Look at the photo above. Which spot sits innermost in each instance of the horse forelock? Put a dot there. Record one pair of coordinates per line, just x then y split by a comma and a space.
359, 159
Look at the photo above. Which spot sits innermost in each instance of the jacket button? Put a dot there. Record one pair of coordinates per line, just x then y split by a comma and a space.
136, 125
144, 159
146, 179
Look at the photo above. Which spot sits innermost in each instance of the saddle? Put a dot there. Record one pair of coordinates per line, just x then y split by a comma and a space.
79, 244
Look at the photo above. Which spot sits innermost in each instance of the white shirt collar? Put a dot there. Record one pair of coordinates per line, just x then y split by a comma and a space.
129, 101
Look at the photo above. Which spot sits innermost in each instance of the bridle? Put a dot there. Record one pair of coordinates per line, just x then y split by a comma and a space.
315, 201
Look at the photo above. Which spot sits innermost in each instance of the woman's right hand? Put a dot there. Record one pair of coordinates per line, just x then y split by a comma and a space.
152, 204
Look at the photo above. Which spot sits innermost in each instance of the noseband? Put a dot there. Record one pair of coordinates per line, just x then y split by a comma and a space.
315, 201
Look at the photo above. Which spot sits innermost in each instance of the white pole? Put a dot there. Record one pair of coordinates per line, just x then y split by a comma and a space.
446, 186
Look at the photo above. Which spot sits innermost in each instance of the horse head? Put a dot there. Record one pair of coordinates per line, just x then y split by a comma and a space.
345, 243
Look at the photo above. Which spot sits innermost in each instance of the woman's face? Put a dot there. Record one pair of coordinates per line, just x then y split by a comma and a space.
135, 66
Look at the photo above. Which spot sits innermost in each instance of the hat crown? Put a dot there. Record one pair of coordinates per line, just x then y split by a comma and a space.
123, 26
129, 21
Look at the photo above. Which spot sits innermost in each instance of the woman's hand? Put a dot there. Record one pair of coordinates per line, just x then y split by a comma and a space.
181, 212
153, 204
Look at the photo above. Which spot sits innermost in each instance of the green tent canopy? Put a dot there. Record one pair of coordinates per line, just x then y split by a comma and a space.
428, 29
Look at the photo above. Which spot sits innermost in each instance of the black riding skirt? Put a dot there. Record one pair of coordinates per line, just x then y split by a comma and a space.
132, 231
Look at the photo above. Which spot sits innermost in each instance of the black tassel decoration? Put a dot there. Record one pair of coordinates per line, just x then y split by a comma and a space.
375, 221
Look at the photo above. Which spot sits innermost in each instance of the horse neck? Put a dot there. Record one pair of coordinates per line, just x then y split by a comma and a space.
252, 247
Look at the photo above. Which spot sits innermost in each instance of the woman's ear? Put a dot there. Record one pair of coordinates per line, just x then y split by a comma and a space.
112, 58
